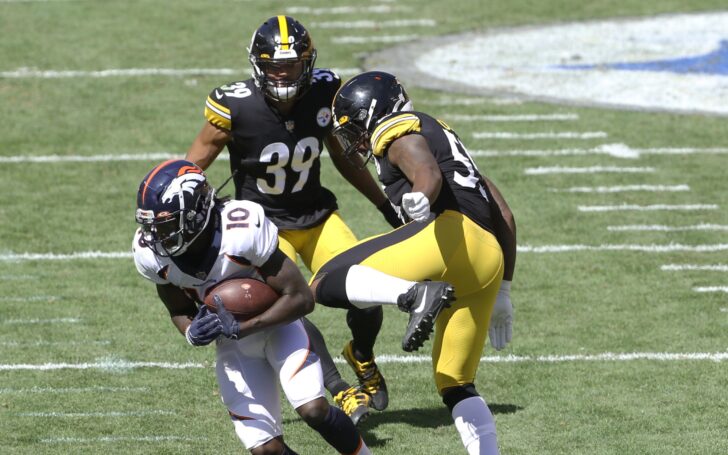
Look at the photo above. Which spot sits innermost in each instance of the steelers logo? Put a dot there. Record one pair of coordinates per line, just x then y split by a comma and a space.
323, 117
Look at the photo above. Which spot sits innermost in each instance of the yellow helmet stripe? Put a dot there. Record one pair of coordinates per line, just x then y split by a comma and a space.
283, 26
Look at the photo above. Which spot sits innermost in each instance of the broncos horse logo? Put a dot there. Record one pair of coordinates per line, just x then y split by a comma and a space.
185, 182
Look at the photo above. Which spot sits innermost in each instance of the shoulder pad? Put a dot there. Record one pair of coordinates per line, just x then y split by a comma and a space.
391, 128
147, 263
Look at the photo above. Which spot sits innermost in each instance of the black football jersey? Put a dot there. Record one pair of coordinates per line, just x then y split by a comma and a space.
463, 187
275, 157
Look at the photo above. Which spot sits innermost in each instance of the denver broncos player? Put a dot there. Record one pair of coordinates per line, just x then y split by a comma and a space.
274, 126
462, 232
190, 240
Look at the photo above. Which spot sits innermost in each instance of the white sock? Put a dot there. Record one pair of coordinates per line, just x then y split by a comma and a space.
476, 426
366, 287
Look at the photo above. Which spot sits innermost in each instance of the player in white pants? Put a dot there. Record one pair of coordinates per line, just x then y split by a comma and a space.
189, 241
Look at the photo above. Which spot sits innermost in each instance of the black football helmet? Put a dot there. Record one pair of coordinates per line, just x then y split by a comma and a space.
361, 103
282, 54
174, 203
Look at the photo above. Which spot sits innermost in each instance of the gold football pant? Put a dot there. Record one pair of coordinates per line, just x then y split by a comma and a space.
451, 248
318, 244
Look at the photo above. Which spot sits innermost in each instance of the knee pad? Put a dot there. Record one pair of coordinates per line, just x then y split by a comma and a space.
455, 395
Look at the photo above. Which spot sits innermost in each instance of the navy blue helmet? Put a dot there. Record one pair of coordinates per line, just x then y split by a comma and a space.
174, 204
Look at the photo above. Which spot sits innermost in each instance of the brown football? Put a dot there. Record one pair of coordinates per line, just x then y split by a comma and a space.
243, 297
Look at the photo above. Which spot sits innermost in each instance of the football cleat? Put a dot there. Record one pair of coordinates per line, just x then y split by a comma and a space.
424, 301
370, 378
354, 403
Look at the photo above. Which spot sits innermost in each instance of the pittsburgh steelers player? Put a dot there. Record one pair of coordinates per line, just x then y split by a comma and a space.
274, 126
188, 241
461, 231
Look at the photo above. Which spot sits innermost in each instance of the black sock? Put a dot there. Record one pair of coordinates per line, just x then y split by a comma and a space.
364, 325
339, 431
332, 379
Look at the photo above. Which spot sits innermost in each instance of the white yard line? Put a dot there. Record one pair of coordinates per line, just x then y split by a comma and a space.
25, 344
95, 414
373, 39
613, 150
385, 358
373, 9
64, 390
510, 118
102, 365
723, 289
622, 189
645, 208
32, 298
469, 101
11, 257
114, 439
35, 73
42, 321
550, 135
695, 267
543, 170
663, 228
366, 24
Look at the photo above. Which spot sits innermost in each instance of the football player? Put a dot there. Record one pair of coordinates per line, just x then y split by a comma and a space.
461, 231
189, 241
274, 126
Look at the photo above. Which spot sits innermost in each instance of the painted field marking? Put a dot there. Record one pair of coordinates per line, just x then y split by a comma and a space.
692, 267
521, 248
42, 321
645, 208
156, 156
511, 118
32, 298
95, 414
63, 390
17, 277
23, 344
385, 358
613, 150
622, 189
669, 248
550, 135
121, 439
373, 39
364, 24
543, 170
724, 310
469, 101
113, 365
723, 289
26, 73
374, 9
663, 228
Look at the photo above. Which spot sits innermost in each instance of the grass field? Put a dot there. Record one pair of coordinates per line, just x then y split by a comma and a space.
620, 342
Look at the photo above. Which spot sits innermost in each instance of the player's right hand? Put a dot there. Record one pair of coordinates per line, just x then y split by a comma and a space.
204, 329
230, 327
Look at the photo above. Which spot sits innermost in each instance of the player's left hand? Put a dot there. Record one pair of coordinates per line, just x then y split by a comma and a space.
501, 321
230, 326
416, 205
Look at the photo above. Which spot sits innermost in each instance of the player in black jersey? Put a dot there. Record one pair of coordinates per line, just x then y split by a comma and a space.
462, 232
274, 126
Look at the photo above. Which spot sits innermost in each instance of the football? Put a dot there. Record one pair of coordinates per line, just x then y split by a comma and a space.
243, 297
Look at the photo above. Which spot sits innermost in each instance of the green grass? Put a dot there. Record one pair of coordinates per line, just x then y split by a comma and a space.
569, 303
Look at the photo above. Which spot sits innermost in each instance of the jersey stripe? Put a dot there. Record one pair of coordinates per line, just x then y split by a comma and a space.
283, 25
217, 114
391, 129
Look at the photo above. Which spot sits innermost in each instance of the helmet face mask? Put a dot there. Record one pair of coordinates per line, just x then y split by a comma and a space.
174, 204
282, 55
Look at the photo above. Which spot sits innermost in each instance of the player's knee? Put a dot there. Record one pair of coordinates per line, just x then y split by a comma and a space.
329, 288
272, 447
451, 396
314, 412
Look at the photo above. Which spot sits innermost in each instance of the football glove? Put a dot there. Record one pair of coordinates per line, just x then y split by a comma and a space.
416, 205
501, 321
390, 214
204, 329
230, 326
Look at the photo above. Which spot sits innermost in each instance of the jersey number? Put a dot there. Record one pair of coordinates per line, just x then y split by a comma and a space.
277, 156
460, 153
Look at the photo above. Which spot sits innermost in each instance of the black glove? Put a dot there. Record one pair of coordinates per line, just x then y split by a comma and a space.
230, 326
204, 329
390, 214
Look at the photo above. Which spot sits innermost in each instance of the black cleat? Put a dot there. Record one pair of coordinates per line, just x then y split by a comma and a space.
424, 301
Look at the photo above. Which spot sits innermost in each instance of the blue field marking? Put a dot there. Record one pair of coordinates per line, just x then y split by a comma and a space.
712, 63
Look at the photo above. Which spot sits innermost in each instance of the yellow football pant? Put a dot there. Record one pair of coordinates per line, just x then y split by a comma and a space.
452, 248
318, 244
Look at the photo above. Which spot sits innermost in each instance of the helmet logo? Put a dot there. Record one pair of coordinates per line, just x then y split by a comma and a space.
186, 182
323, 117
